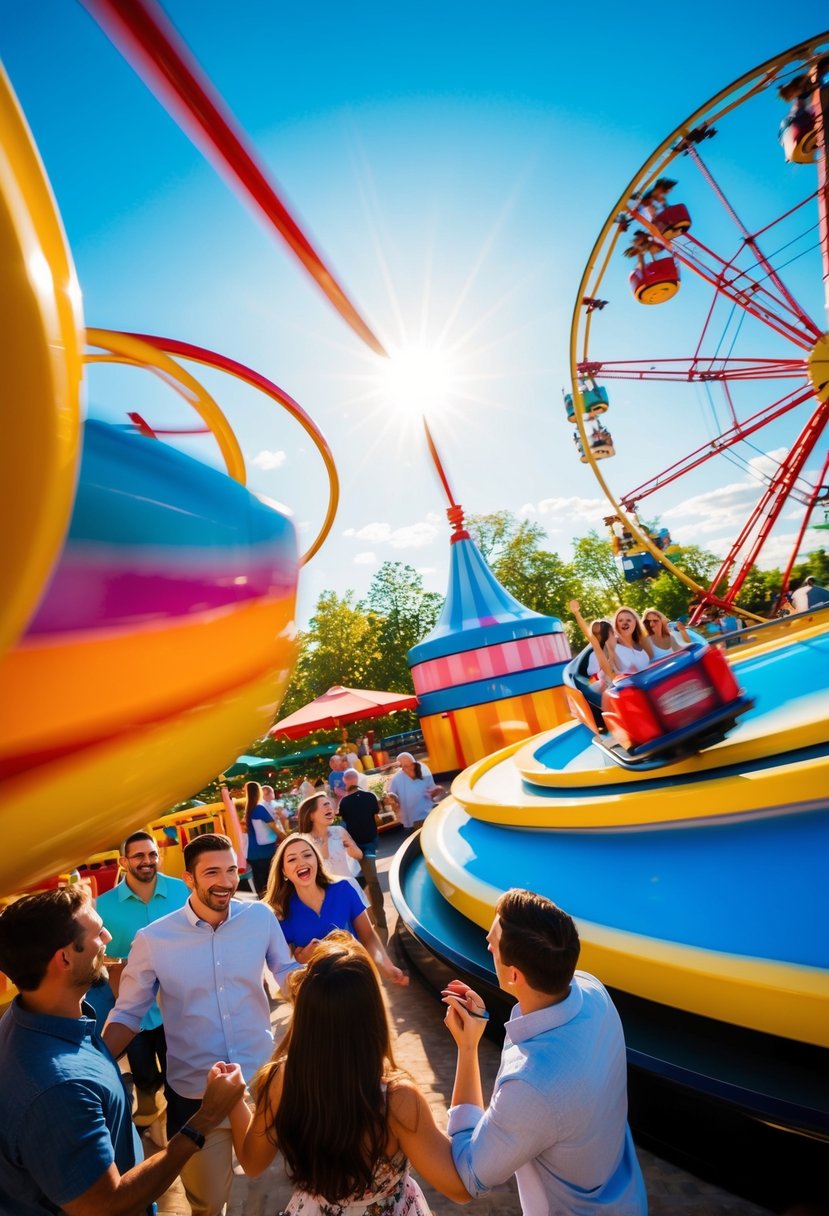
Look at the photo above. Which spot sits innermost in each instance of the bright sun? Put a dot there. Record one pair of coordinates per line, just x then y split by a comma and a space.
416, 380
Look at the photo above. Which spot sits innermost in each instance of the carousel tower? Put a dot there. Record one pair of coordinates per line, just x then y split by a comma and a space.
489, 673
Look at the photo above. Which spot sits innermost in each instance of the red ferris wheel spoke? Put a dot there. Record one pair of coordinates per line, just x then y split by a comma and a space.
736, 433
747, 292
759, 524
819, 490
750, 242
735, 285
699, 368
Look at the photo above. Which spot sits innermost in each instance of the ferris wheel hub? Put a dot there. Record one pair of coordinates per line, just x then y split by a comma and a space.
818, 367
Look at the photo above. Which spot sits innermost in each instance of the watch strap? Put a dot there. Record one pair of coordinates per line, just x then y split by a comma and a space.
192, 1134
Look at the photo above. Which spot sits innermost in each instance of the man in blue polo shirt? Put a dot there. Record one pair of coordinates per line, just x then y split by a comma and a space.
66, 1137
142, 897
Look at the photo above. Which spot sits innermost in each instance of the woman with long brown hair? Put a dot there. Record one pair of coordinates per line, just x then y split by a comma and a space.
315, 821
262, 835
347, 1121
309, 904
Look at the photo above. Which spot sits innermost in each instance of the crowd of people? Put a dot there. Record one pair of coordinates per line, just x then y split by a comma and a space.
347, 1121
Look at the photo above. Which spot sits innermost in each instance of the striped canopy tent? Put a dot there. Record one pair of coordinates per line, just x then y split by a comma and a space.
490, 672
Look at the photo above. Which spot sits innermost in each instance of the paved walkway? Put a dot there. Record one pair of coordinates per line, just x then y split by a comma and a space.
425, 1049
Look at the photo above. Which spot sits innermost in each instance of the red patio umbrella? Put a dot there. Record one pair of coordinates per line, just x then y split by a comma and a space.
338, 706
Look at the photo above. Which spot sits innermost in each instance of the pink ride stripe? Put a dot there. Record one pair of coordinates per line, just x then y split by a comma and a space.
504, 658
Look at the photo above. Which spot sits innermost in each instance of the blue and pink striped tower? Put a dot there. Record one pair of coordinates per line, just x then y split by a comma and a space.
490, 672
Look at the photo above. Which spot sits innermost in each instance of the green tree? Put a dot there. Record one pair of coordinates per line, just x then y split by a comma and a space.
760, 590
340, 646
816, 565
493, 532
603, 585
538, 578
406, 613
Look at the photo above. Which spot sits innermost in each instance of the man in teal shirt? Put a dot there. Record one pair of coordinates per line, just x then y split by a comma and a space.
142, 897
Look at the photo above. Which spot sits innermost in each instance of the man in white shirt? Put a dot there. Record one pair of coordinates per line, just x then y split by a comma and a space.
558, 1114
205, 963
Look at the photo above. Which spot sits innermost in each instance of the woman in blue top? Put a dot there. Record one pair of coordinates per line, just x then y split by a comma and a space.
309, 904
262, 834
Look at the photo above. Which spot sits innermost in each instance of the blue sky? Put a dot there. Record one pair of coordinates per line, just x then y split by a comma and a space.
454, 163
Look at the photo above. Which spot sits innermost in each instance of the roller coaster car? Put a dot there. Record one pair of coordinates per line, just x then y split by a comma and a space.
677, 706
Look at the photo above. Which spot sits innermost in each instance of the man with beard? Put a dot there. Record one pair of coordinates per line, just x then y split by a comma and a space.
205, 962
66, 1138
142, 897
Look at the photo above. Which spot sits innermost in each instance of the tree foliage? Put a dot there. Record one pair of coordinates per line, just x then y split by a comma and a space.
406, 613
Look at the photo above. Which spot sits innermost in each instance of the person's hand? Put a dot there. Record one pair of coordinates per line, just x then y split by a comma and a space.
303, 953
474, 1003
397, 976
465, 1026
225, 1086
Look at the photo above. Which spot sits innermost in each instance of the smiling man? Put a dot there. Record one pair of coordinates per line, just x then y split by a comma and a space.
143, 896
66, 1138
205, 963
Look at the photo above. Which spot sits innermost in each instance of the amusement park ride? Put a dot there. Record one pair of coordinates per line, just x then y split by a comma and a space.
692, 873
696, 876
743, 303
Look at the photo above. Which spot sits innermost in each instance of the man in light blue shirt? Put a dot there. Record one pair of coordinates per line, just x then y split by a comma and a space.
142, 897
558, 1114
205, 963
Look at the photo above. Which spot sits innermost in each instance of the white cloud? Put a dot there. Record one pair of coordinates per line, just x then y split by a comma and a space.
426, 569
726, 507
268, 460
365, 559
767, 463
374, 533
413, 537
575, 509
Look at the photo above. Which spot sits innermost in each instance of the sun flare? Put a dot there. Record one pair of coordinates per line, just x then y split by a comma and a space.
417, 380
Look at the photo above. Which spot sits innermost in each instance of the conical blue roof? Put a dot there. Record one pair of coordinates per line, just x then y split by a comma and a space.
477, 611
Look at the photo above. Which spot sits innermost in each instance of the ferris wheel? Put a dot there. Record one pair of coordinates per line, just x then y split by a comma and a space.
711, 277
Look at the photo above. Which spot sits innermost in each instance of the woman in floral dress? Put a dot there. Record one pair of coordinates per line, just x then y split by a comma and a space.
347, 1121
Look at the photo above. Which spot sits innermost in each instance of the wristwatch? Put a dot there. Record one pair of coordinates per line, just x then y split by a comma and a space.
192, 1134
